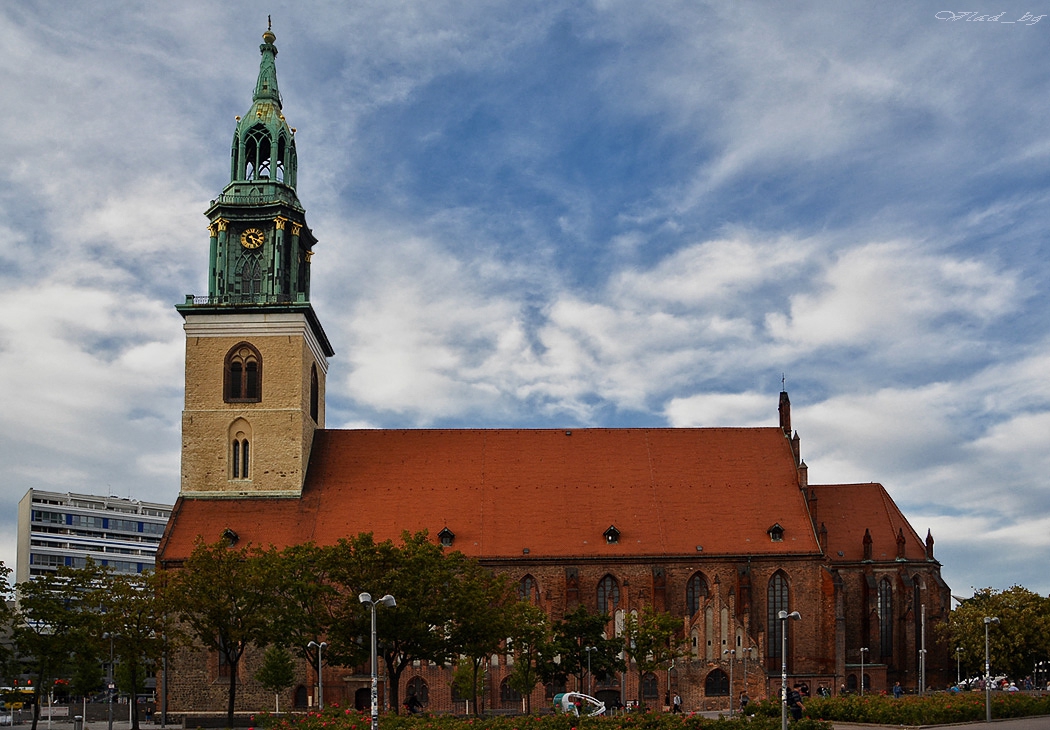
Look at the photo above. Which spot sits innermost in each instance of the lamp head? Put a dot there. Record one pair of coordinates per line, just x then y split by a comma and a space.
387, 600
365, 598
784, 615
991, 619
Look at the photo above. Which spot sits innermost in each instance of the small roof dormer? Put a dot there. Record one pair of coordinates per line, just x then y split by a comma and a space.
611, 535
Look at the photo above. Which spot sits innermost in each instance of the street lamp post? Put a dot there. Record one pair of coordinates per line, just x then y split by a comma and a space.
590, 677
387, 600
988, 670
922, 654
863, 651
109, 685
320, 685
732, 661
783, 616
747, 651
958, 672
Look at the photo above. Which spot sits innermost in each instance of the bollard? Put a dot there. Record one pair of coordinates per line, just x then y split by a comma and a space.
78, 722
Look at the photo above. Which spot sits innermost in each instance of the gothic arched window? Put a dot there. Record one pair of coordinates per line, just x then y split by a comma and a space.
507, 694
716, 684
776, 601
885, 618
650, 690
257, 154
243, 371
608, 595
418, 686
529, 590
695, 593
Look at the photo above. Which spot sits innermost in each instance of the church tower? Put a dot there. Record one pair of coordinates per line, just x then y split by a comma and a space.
256, 355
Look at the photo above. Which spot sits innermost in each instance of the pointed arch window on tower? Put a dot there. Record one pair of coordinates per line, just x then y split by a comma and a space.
243, 381
282, 146
257, 154
249, 275
240, 450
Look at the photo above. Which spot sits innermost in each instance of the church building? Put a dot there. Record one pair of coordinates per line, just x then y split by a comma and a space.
718, 526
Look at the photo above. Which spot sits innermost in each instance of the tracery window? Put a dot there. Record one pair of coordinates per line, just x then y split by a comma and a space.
529, 590
243, 369
507, 694
776, 601
608, 595
695, 593
650, 690
249, 274
885, 618
418, 686
257, 154
716, 684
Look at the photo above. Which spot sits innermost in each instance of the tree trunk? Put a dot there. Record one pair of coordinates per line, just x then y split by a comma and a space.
394, 683
233, 692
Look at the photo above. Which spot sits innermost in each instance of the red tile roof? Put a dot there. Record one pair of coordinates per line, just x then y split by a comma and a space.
849, 509
553, 492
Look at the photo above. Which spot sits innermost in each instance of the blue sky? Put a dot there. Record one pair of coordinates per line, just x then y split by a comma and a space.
559, 214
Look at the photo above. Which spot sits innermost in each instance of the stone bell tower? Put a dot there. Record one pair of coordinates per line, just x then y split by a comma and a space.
256, 355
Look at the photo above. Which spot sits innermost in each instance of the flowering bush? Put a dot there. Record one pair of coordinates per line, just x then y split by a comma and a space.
933, 709
335, 719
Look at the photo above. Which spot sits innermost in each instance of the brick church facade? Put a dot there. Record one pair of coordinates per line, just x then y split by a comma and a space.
717, 526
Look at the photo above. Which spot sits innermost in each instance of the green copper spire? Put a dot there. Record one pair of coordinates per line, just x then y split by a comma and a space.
266, 86
264, 144
260, 246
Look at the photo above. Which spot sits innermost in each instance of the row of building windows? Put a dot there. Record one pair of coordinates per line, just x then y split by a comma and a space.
74, 561
93, 522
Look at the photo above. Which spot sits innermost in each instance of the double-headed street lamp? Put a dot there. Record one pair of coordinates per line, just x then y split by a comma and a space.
320, 685
387, 600
783, 616
732, 661
958, 672
863, 651
988, 670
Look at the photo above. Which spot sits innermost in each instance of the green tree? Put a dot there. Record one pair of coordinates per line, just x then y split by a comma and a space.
311, 590
137, 615
226, 603
479, 622
651, 642
530, 637
1021, 638
469, 681
7, 616
576, 631
422, 578
58, 618
277, 673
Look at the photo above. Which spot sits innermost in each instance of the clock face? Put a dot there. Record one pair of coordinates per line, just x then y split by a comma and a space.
252, 238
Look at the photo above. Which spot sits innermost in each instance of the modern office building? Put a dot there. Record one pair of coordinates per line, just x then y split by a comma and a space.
64, 528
